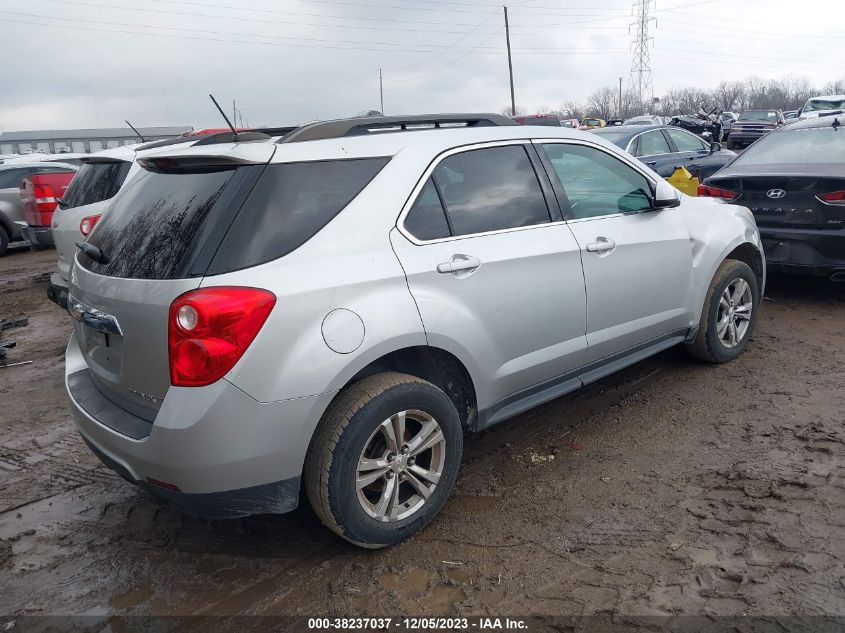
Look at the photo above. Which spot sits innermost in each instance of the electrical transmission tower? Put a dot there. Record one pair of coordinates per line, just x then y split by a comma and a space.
640, 81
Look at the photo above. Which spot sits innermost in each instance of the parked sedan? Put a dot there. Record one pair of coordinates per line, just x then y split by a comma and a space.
752, 125
664, 148
793, 181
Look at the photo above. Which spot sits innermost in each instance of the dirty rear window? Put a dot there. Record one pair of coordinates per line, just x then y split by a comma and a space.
154, 224
95, 182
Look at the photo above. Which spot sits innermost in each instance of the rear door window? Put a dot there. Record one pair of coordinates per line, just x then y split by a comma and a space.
686, 142
427, 218
490, 189
653, 143
95, 182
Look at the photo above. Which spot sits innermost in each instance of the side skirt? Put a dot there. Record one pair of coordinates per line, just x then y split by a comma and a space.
566, 383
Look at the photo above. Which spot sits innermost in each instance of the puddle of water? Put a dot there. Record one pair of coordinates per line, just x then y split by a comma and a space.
132, 598
413, 586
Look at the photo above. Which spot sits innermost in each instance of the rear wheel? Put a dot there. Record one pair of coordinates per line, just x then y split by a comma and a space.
384, 459
729, 313
4, 240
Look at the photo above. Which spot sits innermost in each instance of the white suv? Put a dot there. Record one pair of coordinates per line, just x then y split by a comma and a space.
336, 308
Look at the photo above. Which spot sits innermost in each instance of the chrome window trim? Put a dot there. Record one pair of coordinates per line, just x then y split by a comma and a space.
625, 158
406, 209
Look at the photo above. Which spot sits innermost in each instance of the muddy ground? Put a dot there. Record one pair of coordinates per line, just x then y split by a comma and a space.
671, 488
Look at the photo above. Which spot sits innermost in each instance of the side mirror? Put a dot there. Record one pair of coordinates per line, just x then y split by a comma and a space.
666, 196
715, 146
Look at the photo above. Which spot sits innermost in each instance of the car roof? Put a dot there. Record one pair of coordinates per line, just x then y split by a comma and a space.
434, 141
803, 124
840, 97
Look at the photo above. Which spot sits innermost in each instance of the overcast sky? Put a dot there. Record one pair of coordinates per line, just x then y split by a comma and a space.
94, 63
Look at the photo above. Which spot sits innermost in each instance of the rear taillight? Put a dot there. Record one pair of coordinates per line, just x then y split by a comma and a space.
834, 197
87, 224
716, 192
209, 330
45, 200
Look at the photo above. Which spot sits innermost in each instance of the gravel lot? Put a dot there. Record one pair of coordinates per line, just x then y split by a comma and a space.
671, 488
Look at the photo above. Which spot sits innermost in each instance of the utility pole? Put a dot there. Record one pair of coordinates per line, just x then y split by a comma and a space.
380, 91
620, 97
510, 63
234, 112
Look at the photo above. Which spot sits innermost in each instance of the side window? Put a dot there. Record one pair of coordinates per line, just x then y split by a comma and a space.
427, 219
652, 143
596, 183
686, 142
491, 189
11, 178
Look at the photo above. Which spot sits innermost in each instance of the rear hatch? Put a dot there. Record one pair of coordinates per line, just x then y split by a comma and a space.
157, 240
182, 220
94, 184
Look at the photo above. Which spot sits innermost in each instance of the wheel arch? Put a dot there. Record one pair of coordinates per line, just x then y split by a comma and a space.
436, 365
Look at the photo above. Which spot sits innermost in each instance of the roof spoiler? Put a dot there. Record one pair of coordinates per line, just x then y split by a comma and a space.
382, 125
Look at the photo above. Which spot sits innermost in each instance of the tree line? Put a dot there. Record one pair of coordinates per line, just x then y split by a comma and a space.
751, 93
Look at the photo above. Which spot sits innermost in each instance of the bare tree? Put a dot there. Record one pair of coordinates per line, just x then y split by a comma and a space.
602, 102
834, 87
728, 93
520, 111
571, 110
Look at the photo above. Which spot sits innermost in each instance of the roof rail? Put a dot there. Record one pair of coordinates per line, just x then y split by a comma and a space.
382, 125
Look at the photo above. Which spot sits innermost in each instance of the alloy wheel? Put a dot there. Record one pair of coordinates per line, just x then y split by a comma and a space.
735, 309
400, 466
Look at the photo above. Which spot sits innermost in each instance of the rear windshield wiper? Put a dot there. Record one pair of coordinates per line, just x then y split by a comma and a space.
93, 252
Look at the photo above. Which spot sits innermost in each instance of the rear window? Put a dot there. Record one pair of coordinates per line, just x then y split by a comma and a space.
11, 178
815, 105
95, 182
154, 224
758, 115
167, 225
786, 146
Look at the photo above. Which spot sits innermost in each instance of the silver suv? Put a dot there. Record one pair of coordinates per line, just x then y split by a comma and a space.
336, 308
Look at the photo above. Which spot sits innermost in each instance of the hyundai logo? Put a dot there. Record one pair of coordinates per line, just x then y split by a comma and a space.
776, 194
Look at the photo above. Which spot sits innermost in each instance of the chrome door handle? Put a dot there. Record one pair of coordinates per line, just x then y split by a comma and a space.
458, 263
601, 245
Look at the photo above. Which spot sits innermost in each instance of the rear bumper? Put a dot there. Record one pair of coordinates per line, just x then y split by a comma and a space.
57, 290
38, 235
819, 252
212, 451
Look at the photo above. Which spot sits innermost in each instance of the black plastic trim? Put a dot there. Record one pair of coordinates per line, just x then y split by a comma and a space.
84, 392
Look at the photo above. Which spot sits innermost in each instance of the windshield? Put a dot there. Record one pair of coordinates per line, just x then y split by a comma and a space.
591, 122
824, 104
787, 146
95, 182
759, 115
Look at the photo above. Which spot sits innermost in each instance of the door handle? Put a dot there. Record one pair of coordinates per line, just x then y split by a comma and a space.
651, 163
459, 263
601, 245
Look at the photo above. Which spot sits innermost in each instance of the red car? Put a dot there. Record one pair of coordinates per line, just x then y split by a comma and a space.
40, 194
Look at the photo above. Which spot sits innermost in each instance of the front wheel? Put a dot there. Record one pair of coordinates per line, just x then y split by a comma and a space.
4, 240
729, 313
384, 459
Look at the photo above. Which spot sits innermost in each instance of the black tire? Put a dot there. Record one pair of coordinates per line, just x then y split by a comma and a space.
4, 241
708, 345
350, 421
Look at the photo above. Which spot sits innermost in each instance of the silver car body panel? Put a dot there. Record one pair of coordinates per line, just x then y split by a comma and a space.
523, 322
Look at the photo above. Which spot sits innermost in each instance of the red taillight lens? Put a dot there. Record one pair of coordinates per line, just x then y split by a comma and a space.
87, 224
715, 192
834, 197
209, 330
